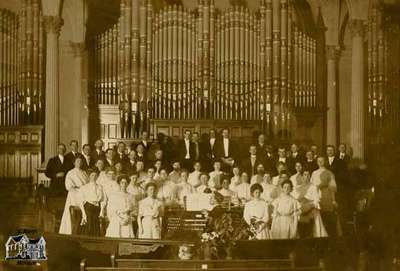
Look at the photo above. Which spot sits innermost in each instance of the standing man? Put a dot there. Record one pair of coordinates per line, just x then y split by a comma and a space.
295, 157
225, 151
121, 155
250, 163
56, 170
144, 139
73, 154
109, 161
261, 147
98, 152
196, 145
88, 161
186, 151
208, 150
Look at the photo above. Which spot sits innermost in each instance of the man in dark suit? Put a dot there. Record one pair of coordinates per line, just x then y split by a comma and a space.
73, 154
282, 158
310, 164
295, 157
121, 153
98, 152
144, 140
196, 147
343, 156
225, 151
261, 147
109, 160
56, 170
250, 163
208, 150
186, 151
269, 160
333, 163
88, 161
130, 165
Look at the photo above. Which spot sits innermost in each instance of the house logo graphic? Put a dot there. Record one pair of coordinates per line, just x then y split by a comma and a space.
20, 247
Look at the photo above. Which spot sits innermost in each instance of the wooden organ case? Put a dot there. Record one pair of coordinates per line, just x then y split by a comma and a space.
172, 69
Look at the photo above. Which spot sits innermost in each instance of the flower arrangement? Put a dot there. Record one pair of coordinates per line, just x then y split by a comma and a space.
207, 237
222, 233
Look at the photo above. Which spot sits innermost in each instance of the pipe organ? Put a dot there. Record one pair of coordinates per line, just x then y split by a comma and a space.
22, 61
22, 66
206, 64
8, 70
383, 97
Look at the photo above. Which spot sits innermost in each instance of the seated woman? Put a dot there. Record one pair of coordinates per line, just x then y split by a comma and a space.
256, 213
92, 205
150, 214
121, 208
71, 218
167, 190
203, 183
286, 214
183, 187
226, 192
243, 189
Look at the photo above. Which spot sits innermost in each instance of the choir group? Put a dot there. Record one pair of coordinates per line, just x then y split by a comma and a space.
123, 191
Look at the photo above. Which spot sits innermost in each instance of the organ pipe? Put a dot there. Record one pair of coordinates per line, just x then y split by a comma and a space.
210, 64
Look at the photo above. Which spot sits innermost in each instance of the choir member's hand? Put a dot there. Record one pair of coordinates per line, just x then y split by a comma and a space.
60, 175
335, 204
84, 220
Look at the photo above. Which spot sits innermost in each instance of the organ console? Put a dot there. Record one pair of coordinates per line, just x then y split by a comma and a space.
206, 64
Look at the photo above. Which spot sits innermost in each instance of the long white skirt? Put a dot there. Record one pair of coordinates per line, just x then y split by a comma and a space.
151, 228
115, 229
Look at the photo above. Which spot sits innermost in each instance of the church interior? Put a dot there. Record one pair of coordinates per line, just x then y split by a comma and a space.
306, 76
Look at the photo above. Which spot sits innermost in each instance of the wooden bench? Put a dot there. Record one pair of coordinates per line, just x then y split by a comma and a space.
214, 265
218, 265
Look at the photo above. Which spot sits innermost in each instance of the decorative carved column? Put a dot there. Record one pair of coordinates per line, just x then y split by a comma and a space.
52, 26
332, 53
82, 115
357, 119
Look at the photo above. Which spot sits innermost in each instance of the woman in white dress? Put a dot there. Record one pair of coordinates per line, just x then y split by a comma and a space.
271, 191
235, 180
121, 207
168, 190
92, 205
184, 188
150, 214
203, 183
243, 189
134, 188
286, 214
74, 179
256, 213
194, 177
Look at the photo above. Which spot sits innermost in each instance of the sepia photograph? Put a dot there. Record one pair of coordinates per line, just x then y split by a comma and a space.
184, 135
